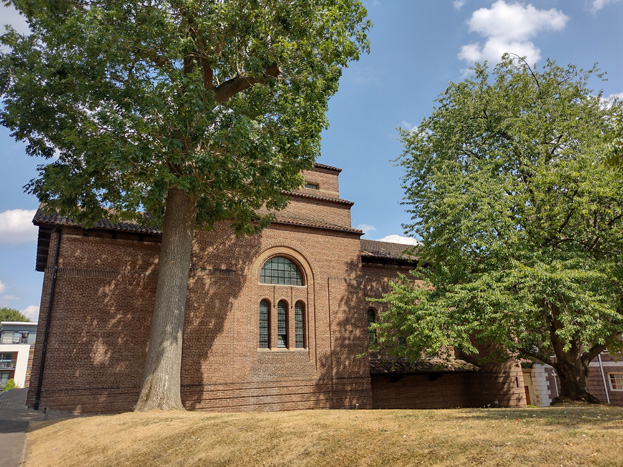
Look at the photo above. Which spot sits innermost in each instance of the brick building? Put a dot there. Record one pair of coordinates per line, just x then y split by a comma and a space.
275, 321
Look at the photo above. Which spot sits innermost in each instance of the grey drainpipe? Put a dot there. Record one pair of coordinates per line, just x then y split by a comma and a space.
44, 346
603, 378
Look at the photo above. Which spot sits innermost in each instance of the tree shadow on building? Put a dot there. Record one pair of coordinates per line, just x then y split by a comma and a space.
214, 327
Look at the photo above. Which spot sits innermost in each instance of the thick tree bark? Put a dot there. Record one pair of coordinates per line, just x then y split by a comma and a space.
573, 374
161, 378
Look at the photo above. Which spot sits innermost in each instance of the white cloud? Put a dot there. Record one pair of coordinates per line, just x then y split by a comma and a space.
607, 102
366, 228
10, 297
399, 239
494, 48
458, 4
16, 226
508, 28
10, 16
31, 312
599, 4
408, 126
2, 287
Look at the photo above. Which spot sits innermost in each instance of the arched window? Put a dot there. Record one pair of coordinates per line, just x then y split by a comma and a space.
299, 325
282, 324
281, 271
264, 324
371, 320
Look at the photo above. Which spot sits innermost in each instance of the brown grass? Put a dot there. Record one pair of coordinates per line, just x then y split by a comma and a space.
569, 435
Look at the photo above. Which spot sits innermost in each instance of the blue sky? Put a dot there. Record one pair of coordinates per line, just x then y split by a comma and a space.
417, 48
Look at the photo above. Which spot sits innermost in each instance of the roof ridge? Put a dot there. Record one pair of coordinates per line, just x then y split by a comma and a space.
319, 197
304, 222
326, 167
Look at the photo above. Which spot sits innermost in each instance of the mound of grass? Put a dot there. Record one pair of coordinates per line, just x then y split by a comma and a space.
550, 436
10, 384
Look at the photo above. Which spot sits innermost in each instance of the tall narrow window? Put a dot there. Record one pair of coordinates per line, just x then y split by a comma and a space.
282, 324
299, 325
371, 320
281, 271
264, 324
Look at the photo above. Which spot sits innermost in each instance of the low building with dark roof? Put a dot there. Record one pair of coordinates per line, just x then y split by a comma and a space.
274, 321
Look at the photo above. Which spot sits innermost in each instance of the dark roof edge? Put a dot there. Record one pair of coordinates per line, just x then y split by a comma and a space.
311, 225
399, 366
320, 198
373, 259
41, 220
326, 167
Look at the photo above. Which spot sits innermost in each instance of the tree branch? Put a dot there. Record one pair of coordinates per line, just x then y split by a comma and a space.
538, 356
238, 84
594, 351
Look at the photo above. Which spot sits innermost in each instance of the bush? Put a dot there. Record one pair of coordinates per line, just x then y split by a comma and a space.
10, 384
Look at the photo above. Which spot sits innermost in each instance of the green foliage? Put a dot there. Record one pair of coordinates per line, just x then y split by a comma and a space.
521, 217
223, 99
10, 384
10, 314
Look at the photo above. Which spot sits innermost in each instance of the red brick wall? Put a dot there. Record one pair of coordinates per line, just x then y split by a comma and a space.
447, 390
99, 326
327, 181
318, 210
104, 299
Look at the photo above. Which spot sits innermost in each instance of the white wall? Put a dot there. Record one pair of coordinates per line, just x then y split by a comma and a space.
22, 361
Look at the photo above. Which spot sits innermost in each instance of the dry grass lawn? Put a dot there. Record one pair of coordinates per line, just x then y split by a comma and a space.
572, 435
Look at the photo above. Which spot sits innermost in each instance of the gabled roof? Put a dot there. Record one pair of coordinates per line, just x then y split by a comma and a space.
386, 252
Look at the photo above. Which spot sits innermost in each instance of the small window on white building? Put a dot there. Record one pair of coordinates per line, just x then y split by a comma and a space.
20, 337
616, 381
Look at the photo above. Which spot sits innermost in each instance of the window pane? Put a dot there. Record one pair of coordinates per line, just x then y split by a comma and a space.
371, 319
264, 324
299, 326
616, 381
281, 271
282, 324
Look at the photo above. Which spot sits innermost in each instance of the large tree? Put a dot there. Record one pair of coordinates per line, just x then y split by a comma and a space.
10, 314
195, 111
520, 213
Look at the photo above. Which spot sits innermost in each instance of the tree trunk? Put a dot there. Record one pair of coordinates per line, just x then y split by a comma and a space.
161, 378
573, 374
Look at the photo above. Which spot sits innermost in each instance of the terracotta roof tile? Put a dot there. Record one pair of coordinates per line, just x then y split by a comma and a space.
303, 222
327, 167
56, 219
42, 219
388, 250
300, 194
388, 365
